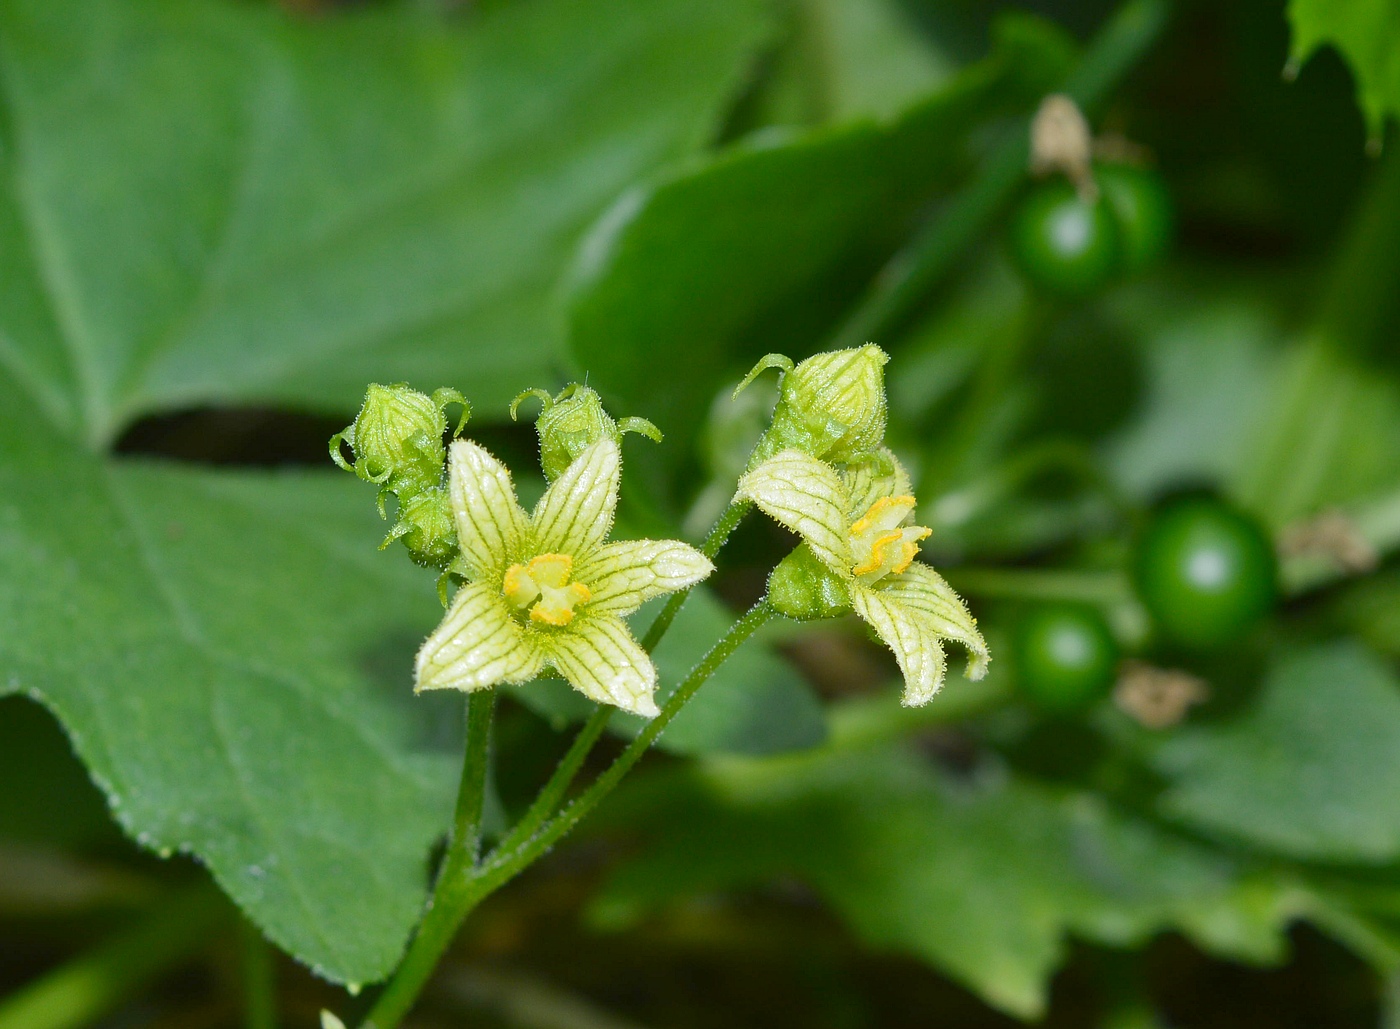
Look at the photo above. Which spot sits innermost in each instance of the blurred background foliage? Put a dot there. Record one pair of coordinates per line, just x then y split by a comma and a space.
219, 220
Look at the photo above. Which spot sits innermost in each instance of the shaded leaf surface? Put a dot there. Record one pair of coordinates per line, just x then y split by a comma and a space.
984, 882
299, 208
1312, 771
1367, 32
756, 251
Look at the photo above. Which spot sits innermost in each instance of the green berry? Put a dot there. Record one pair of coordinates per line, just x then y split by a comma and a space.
1065, 655
1063, 243
1205, 571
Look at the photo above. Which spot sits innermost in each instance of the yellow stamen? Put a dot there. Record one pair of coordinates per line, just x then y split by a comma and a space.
881, 543
544, 588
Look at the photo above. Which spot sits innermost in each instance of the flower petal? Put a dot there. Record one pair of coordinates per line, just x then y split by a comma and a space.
478, 644
490, 521
922, 590
882, 476
601, 660
576, 512
807, 496
915, 646
623, 575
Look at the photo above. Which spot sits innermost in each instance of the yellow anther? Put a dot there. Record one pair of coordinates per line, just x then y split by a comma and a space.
880, 544
544, 588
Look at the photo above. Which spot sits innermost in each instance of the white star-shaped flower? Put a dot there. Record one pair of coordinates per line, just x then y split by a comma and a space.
546, 590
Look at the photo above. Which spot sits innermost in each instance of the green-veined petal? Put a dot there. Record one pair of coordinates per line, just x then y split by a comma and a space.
477, 645
490, 521
882, 476
923, 591
915, 646
576, 512
623, 575
808, 497
601, 660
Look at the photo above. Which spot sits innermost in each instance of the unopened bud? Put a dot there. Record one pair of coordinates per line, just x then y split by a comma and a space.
831, 406
397, 437
425, 525
572, 421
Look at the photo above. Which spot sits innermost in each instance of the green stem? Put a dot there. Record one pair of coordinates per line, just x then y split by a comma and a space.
503, 865
450, 901
553, 791
87, 988
911, 274
452, 904
1042, 584
259, 980
719, 535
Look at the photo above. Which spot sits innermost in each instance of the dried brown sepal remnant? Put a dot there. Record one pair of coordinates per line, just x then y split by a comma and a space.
1331, 535
1061, 142
1157, 698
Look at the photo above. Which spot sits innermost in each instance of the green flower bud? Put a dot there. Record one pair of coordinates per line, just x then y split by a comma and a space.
425, 525
573, 421
397, 437
803, 588
831, 406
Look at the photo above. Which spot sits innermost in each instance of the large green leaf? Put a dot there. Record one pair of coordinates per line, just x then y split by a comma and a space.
755, 251
1367, 32
1312, 770
212, 202
982, 880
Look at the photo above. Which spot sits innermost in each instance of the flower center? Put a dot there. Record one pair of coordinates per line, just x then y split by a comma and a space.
543, 588
880, 542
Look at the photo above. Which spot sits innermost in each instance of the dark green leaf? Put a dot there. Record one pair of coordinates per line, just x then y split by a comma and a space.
1367, 32
1311, 771
983, 881
756, 251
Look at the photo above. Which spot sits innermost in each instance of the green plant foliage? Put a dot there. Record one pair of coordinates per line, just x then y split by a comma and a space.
754, 704
1311, 770
983, 880
279, 243
1367, 32
192, 211
755, 250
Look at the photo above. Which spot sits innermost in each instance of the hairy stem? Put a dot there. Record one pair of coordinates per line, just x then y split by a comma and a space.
259, 980
456, 897
451, 899
504, 865
553, 791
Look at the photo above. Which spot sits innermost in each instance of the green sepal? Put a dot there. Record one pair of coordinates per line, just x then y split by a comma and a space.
803, 588
572, 421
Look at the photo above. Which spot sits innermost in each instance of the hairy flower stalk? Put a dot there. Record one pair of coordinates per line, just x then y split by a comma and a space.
858, 553
546, 590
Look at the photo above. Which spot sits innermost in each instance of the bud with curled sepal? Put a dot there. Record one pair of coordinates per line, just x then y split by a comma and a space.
426, 528
572, 421
397, 437
831, 406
